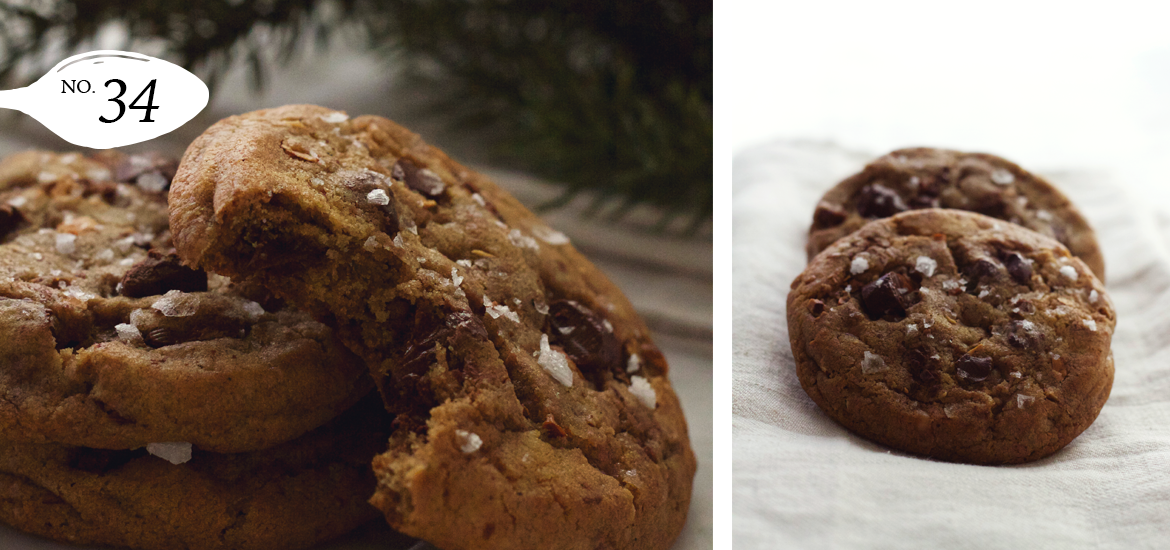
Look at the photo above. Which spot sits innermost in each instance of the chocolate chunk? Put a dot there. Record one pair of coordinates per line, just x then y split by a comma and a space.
980, 272
923, 201
817, 307
878, 201
420, 179
159, 273
973, 369
1018, 268
10, 219
886, 296
828, 215
920, 367
1021, 334
583, 336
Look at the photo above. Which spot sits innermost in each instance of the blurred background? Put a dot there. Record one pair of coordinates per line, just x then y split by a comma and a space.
595, 113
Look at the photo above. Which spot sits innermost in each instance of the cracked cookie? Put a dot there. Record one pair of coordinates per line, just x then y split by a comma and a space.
910, 179
107, 341
953, 335
532, 409
290, 496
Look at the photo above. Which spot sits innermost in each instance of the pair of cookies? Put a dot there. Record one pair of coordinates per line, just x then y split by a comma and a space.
146, 404
953, 308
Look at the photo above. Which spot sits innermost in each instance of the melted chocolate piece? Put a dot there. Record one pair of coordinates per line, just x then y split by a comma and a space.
828, 215
817, 307
1018, 268
886, 296
159, 273
1018, 334
973, 369
879, 201
583, 336
10, 219
920, 368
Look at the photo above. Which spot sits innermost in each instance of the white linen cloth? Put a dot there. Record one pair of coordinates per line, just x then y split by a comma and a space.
802, 481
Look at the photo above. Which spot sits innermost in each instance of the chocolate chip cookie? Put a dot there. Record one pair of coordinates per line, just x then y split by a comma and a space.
910, 179
107, 341
532, 408
954, 335
294, 495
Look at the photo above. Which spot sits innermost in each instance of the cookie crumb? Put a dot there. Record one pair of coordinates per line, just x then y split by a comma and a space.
641, 389
468, 441
859, 265
175, 452
925, 265
554, 362
549, 235
872, 363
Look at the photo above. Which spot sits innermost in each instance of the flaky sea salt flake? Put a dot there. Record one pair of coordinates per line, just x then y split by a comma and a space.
1090, 324
468, 441
554, 362
1002, 177
1069, 271
642, 389
872, 363
66, 243
634, 363
1024, 400
925, 265
176, 303
128, 333
336, 117
859, 265
175, 452
378, 197
455, 278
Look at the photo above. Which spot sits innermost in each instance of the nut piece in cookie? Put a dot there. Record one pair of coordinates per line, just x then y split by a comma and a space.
532, 408
970, 340
917, 178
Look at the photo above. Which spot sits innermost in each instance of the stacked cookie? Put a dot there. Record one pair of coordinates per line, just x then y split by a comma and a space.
149, 405
953, 307
520, 402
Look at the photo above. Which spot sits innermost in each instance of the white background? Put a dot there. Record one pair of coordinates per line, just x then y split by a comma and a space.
1051, 86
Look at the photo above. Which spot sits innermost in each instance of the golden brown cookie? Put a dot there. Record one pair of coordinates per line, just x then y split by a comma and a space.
953, 335
107, 341
922, 177
533, 409
291, 496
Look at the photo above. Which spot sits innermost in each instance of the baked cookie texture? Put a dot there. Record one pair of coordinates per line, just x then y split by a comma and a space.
910, 179
293, 495
532, 408
953, 335
107, 341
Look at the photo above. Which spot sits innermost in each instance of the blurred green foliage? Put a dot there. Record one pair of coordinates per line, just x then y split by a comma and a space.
610, 98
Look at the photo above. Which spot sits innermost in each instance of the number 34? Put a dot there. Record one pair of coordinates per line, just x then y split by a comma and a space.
134, 104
